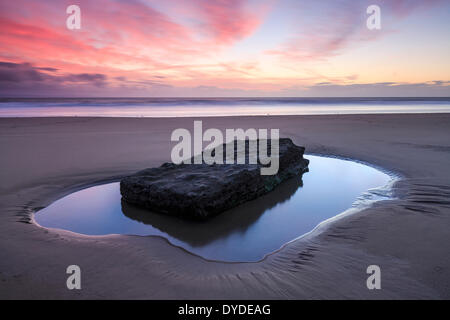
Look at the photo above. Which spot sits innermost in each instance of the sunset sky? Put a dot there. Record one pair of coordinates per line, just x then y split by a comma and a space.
224, 48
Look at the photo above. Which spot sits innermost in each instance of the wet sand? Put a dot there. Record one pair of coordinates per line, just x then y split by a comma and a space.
43, 159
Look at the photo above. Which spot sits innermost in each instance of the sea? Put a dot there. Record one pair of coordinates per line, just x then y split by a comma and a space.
211, 107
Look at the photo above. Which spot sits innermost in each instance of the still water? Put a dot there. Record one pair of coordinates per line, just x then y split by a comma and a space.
246, 233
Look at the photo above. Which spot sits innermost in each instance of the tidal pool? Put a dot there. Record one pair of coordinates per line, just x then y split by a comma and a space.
245, 233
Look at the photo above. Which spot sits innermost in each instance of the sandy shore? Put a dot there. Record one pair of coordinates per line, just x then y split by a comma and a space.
43, 159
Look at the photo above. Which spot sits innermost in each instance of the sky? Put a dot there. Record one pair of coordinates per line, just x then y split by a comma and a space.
224, 48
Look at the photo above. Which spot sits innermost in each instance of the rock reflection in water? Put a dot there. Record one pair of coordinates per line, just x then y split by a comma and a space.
238, 219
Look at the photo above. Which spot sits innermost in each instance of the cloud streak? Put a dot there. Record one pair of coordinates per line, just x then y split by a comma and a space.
24, 79
333, 26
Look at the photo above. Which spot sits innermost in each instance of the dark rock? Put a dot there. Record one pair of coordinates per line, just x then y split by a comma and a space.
199, 191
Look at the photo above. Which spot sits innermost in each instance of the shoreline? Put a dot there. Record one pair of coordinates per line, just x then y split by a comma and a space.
226, 116
329, 265
221, 117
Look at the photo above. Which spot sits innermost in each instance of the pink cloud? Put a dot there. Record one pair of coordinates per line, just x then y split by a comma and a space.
118, 33
228, 20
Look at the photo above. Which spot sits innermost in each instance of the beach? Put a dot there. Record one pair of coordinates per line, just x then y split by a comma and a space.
43, 159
